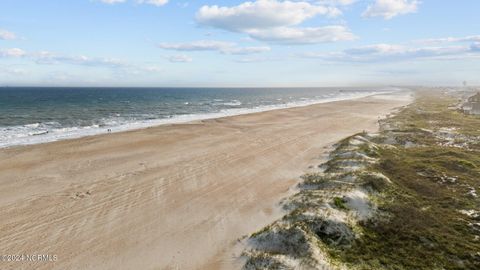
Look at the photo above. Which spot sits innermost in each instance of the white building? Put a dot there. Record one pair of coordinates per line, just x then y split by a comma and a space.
472, 106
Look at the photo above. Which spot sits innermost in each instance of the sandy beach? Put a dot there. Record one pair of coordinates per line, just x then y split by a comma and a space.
168, 197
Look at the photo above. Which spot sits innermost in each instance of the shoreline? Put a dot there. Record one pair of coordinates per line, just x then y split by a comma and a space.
78, 133
168, 196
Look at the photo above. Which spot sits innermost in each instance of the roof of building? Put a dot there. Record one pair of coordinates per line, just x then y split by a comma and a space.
474, 98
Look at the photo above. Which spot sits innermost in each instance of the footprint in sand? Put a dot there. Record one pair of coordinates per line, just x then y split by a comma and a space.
81, 195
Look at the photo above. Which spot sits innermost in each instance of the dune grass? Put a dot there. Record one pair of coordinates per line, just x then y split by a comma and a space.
422, 226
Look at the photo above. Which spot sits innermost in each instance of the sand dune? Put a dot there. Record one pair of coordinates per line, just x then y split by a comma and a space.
168, 197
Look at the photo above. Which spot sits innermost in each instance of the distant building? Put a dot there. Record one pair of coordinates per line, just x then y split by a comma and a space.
472, 106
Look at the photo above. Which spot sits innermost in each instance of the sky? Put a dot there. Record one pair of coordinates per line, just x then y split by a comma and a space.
265, 43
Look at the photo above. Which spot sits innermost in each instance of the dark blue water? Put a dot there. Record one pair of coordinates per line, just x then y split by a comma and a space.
33, 115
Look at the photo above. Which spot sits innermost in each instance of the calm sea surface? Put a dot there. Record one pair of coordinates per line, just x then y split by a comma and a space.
36, 115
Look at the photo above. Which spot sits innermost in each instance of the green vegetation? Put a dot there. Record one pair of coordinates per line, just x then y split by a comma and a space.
339, 203
421, 225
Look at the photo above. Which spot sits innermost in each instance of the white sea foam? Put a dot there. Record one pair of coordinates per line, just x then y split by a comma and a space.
233, 103
51, 131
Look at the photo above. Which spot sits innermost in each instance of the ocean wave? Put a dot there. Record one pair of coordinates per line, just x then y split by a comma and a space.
53, 131
233, 103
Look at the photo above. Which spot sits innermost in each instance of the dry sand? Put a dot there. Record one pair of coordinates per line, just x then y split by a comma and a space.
168, 197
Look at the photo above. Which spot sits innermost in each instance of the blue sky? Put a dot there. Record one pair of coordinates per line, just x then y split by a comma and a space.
239, 43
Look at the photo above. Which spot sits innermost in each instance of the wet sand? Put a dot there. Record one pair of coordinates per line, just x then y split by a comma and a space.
168, 197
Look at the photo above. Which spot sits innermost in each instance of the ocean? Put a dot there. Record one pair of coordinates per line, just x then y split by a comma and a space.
30, 115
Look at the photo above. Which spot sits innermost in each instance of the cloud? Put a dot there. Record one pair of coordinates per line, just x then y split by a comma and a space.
151, 68
336, 2
7, 35
50, 58
112, 1
260, 14
250, 60
201, 45
308, 35
14, 52
475, 47
150, 2
246, 50
275, 21
45, 57
256, 59
384, 49
450, 39
391, 8
390, 52
13, 71
213, 45
153, 2
181, 58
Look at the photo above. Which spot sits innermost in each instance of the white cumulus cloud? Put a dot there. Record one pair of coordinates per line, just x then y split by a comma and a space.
391, 8
153, 2
336, 2
7, 35
300, 35
13, 52
261, 14
276, 21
